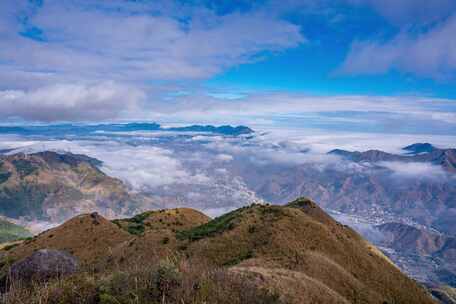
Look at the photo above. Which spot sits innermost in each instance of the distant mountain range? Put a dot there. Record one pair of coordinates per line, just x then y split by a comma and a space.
422, 251
53, 187
66, 129
362, 183
420, 152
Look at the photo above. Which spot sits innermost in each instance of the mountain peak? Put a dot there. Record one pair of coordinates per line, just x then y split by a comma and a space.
297, 240
419, 148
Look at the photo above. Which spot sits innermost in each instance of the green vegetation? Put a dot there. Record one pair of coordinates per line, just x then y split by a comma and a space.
165, 240
134, 225
4, 176
24, 167
216, 226
11, 232
274, 211
22, 200
301, 202
243, 255
9, 247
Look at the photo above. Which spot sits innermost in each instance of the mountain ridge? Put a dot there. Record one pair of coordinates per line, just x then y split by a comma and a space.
298, 240
63, 129
419, 152
51, 186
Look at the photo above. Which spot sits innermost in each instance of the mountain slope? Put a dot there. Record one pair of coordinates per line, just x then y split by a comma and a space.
422, 251
87, 236
411, 239
301, 237
376, 184
296, 250
54, 187
419, 152
12, 232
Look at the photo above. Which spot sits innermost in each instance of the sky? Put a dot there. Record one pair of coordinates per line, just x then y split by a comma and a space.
377, 66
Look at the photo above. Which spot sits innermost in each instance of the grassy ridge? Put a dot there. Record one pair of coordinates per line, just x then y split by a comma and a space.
217, 225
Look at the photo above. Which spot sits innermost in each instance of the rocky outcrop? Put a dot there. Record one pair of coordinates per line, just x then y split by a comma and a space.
44, 264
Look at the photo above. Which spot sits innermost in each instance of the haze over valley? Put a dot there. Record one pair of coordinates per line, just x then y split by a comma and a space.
123, 170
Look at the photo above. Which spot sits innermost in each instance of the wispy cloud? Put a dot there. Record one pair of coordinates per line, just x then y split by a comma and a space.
58, 58
414, 170
374, 113
62, 61
149, 42
427, 51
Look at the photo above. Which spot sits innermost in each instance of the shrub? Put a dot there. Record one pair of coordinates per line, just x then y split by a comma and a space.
165, 279
24, 167
171, 281
217, 225
4, 176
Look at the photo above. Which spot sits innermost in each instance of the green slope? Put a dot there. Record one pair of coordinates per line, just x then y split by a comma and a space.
12, 232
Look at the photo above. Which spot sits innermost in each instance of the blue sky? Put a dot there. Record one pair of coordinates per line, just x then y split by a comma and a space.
352, 65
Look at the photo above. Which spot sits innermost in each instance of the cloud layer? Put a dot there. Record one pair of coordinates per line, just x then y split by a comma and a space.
428, 53
138, 60
148, 43
70, 102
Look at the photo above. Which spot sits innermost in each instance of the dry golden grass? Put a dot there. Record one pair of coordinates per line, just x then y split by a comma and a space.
293, 286
296, 251
170, 281
89, 237
306, 240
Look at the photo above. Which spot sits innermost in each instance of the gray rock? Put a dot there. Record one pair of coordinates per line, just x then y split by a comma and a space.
43, 265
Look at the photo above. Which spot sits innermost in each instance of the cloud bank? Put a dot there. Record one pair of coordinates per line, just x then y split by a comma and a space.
414, 170
149, 60
149, 41
429, 53
70, 102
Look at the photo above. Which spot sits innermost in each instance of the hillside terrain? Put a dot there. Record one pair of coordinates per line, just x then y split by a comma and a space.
53, 187
11, 232
47, 188
374, 184
291, 254
419, 152
422, 252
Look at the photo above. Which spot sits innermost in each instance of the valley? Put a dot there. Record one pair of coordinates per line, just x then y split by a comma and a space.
215, 173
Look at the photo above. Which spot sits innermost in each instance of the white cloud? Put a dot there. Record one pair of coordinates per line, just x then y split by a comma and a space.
269, 150
142, 166
70, 102
414, 170
150, 43
329, 112
61, 57
224, 157
430, 53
